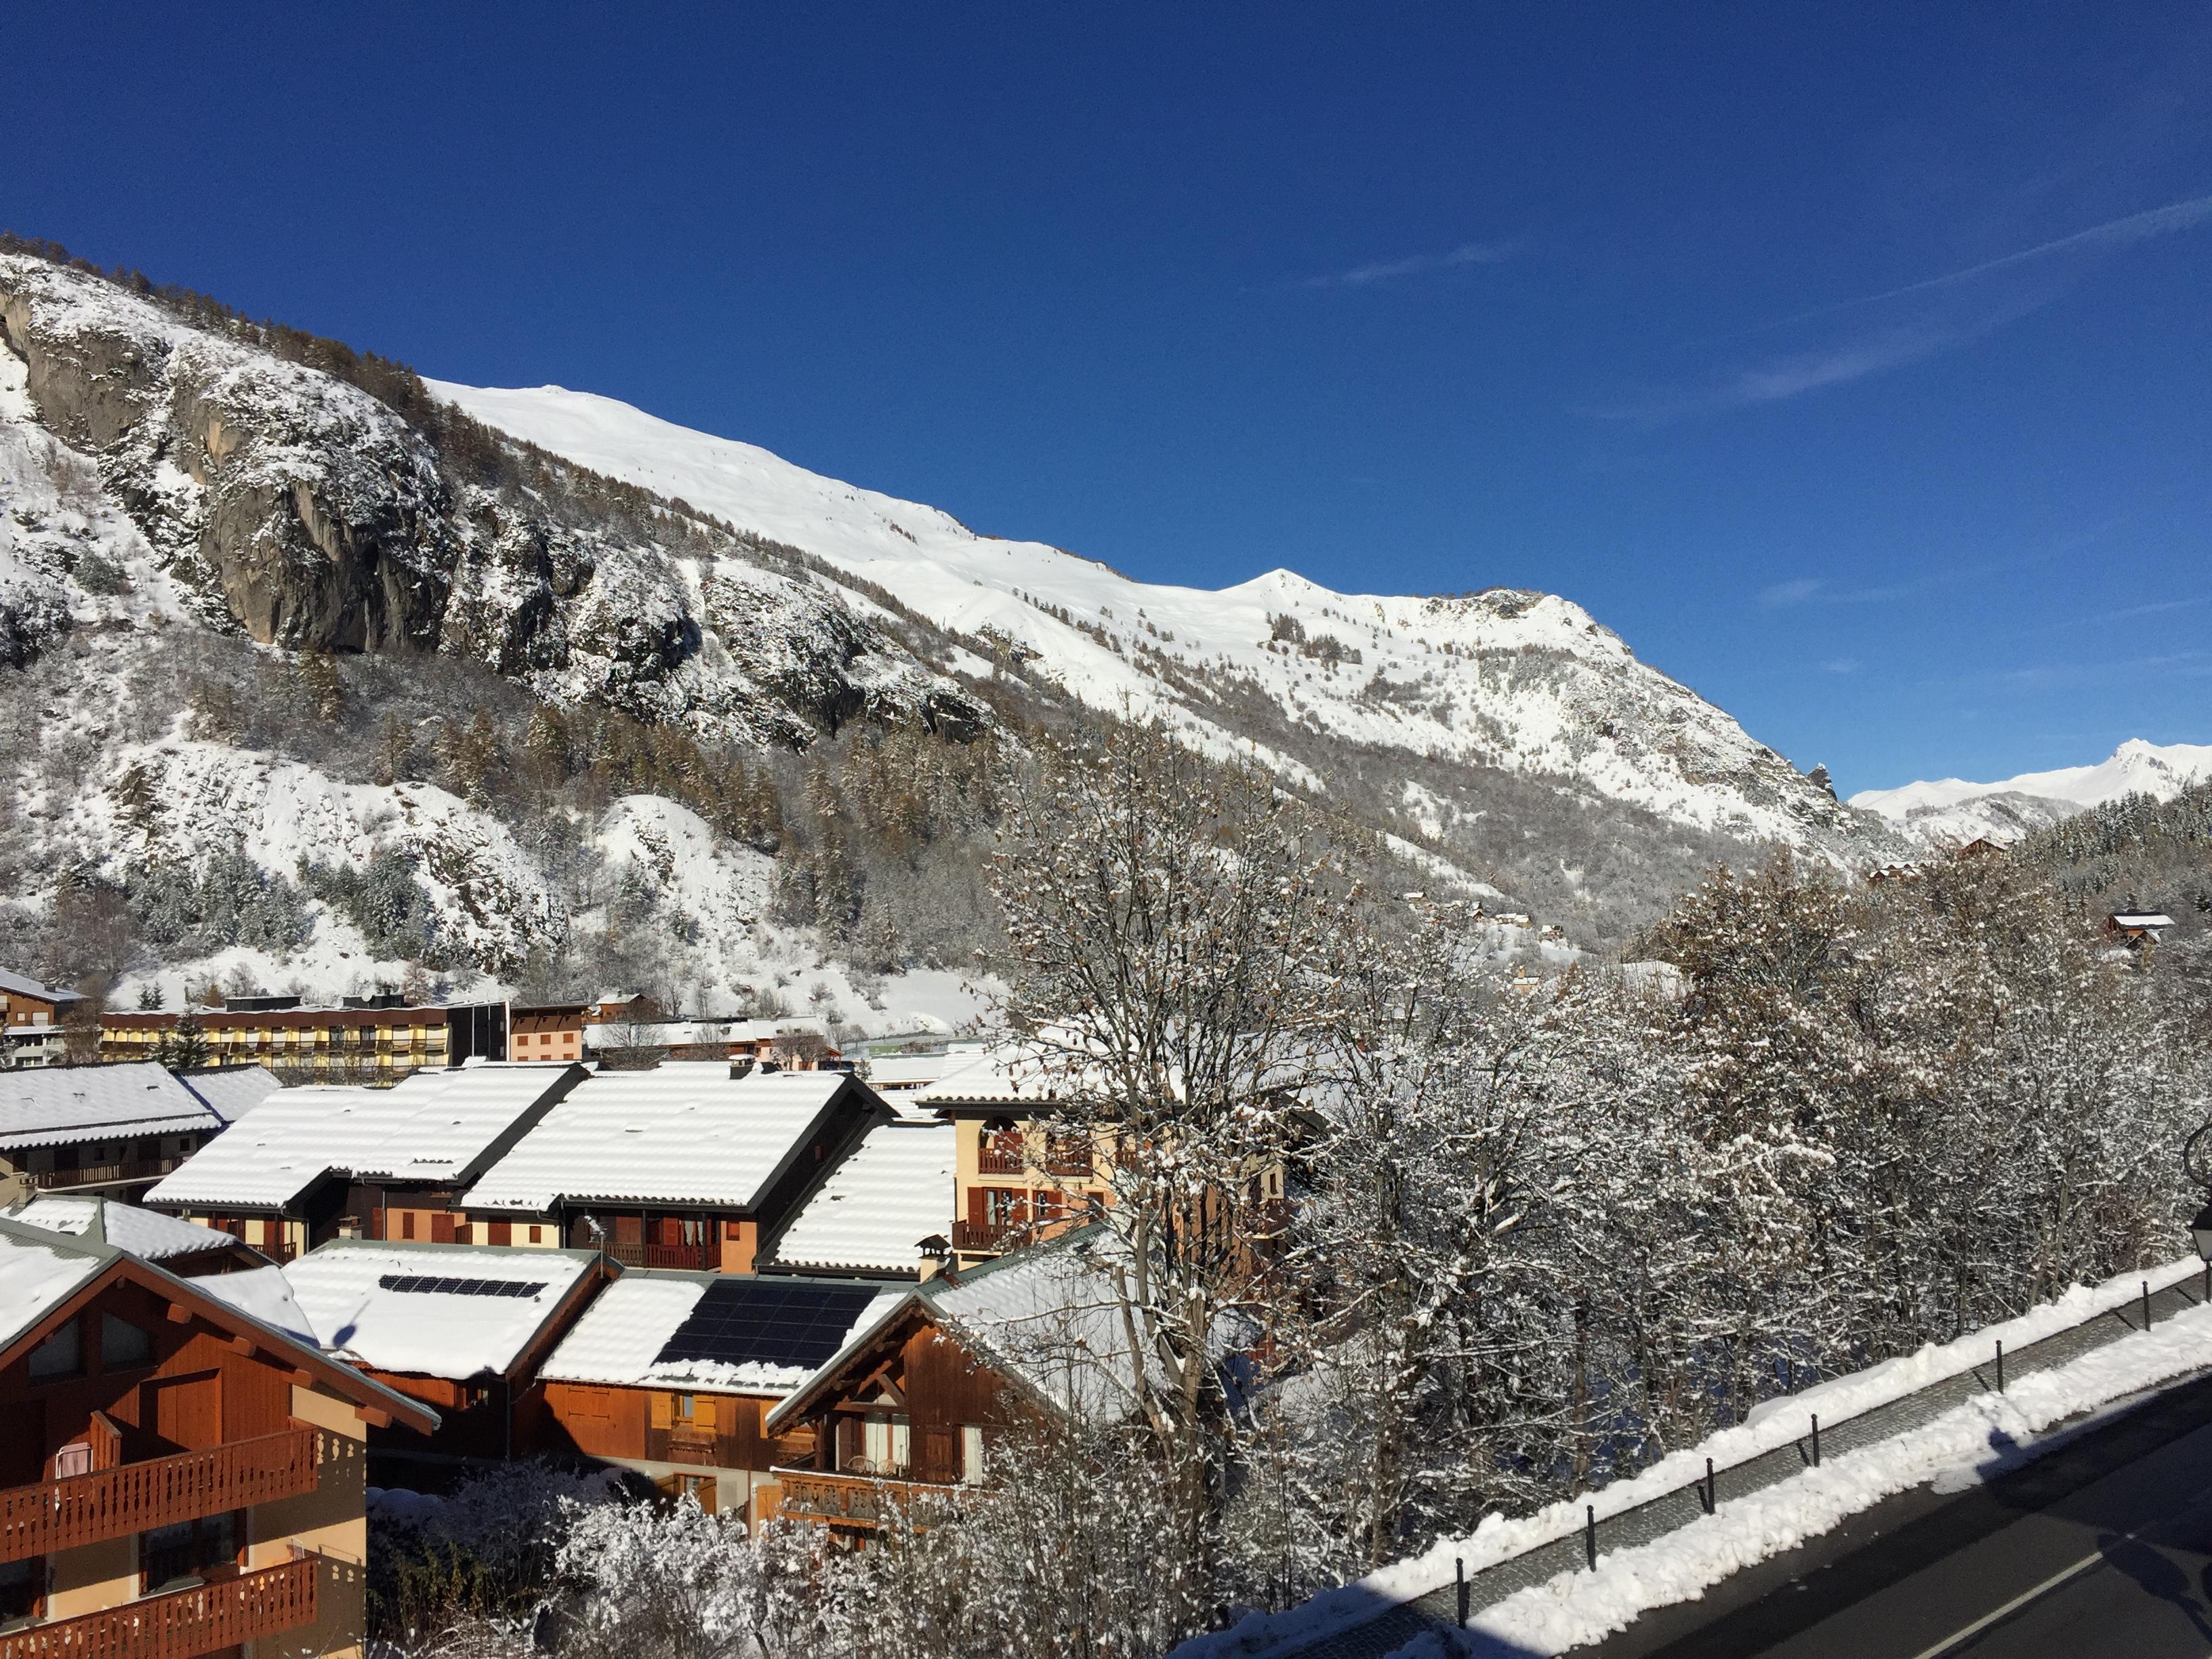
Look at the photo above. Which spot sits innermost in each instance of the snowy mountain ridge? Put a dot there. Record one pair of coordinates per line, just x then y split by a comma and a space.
248, 605
1522, 680
1954, 810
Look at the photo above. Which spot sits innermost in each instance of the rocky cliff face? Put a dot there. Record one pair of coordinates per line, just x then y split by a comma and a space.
288, 504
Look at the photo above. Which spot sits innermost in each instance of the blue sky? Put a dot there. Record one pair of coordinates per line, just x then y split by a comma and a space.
1854, 363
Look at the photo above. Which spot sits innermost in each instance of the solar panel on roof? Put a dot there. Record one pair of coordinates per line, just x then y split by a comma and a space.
760, 1321
424, 1284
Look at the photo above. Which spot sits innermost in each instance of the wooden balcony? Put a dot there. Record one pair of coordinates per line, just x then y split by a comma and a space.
105, 1174
181, 1624
1001, 1160
846, 1500
83, 1509
692, 1258
985, 1237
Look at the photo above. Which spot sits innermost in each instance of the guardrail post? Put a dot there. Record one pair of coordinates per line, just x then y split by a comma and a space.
1459, 1563
1589, 1534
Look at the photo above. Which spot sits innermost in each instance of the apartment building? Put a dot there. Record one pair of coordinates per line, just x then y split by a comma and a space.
177, 1477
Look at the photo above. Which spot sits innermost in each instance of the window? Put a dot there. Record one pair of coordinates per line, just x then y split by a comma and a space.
537, 1235
888, 1443
687, 1406
971, 1452
123, 1344
188, 1550
21, 1585
61, 1354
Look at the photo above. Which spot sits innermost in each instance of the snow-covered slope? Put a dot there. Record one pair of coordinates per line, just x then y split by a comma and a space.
1521, 681
1952, 810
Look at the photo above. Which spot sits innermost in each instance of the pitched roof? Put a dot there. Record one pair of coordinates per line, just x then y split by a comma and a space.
872, 1213
147, 1234
1007, 1071
231, 1091
1046, 1317
456, 1312
684, 1132
266, 1295
2141, 919
23, 986
443, 1126
62, 1105
724, 1333
41, 1272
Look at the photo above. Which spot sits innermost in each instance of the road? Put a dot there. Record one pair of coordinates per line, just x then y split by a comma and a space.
2104, 1548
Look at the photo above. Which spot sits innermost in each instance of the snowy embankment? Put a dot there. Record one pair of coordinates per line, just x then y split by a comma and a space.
1578, 1608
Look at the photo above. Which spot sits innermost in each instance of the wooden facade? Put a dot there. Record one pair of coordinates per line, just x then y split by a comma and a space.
711, 1445
1014, 1183
915, 1407
174, 1480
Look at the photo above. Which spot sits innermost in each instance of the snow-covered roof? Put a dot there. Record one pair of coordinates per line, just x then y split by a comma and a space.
638, 1333
455, 1311
263, 1293
1011, 1071
913, 1071
895, 1189
2141, 919
684, 1132
231, 1091
441, 1126
38, 1269
22, 986
147, 1234
59, 1105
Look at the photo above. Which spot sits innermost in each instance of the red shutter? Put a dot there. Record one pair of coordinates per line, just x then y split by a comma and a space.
502, 1232
975, 1197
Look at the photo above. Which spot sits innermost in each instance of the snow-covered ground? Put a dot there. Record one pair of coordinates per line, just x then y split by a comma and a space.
1954, 810
1578, 1608
1524, 681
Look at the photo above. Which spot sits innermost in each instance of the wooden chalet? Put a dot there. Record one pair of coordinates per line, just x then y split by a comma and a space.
2136, 928
915, 1399
32, 1021
682, 1165
177, 1477
671, 1375
322, 1162
113, 1129
461, 1328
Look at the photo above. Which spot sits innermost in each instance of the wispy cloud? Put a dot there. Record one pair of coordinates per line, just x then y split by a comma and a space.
1792, 374
2115, 233
1840, 665
1385, 271
1817, 590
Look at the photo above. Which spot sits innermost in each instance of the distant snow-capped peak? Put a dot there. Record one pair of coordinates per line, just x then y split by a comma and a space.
1953, 809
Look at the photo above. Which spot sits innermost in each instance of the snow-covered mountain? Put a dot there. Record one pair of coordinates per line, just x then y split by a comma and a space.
195, 509
1954, 810
1524, 682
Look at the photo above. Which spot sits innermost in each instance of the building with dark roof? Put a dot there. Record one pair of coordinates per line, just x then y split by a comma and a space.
671, 1375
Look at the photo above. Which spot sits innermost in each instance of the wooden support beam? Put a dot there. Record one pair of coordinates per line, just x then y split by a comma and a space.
373, 1417
180, 1314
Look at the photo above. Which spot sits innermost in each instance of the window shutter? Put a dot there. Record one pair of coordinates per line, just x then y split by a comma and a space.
663, 1410
702, 1411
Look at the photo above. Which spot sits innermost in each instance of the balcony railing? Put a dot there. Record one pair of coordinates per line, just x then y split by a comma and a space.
83, 1509
104, 1175
992, 1160
181, 1624
979, 1236
846, 1500
696, 1258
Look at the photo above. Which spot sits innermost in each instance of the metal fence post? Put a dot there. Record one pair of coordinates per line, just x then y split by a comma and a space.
2000, 1368
1711, 1493
1816, 1440
1459, 1563
2146, 1284
1589, 1534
